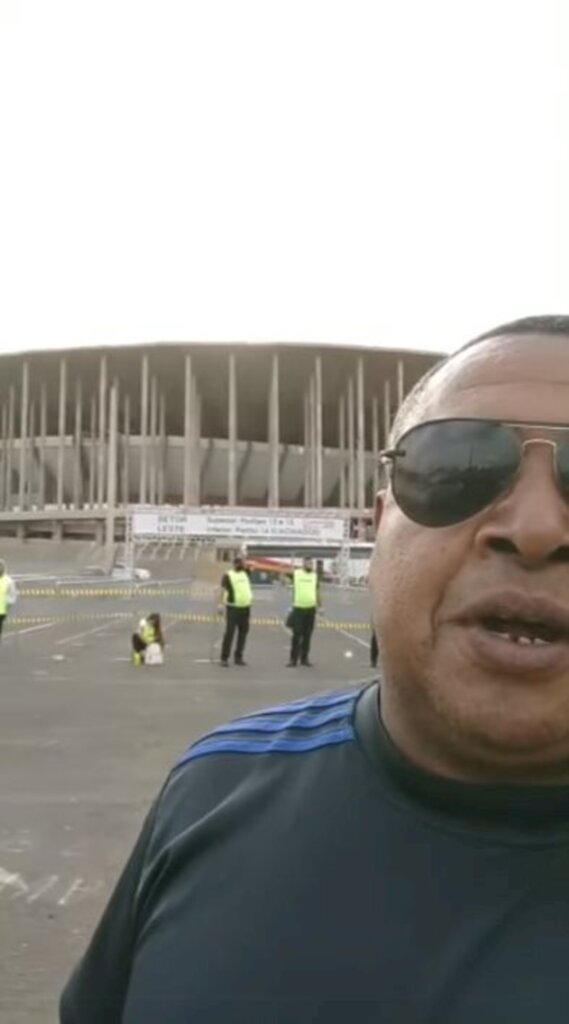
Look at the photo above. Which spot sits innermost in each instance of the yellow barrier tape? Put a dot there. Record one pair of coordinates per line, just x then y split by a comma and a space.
24, 620
156, 591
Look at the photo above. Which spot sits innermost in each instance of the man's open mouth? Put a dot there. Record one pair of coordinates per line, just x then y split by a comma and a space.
520, 631
515, 631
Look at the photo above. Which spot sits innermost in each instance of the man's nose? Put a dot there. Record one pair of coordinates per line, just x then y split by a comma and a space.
531, 522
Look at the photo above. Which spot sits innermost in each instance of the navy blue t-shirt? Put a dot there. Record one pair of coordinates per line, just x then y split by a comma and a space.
297, 869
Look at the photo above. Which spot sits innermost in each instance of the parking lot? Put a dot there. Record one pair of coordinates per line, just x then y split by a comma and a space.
86, 740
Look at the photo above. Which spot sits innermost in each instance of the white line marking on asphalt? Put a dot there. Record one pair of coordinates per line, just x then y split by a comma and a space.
16, 887
42, 888
28, 629
78, 636
79, 888
76, 886
18, 843
356, 639
12, 880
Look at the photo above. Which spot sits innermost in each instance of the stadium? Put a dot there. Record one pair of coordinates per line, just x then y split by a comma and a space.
273, 437
90, 432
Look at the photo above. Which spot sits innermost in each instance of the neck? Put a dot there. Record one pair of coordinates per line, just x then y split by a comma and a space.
432, 747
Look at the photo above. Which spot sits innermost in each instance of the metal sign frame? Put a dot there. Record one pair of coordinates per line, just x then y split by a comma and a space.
132, 539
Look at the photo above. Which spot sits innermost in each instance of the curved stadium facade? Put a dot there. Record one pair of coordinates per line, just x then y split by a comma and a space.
87, 432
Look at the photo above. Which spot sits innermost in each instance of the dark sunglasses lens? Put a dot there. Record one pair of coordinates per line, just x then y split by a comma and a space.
453, 469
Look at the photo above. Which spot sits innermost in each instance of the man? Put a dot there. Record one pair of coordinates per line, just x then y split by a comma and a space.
235, 598
305, 601
397, 857
8, 595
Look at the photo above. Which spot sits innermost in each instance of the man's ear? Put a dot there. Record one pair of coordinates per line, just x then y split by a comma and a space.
378, 509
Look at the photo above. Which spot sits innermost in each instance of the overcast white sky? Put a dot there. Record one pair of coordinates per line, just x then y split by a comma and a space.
389, 172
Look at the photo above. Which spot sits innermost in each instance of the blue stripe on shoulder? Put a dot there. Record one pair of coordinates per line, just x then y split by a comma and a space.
275, 745
283, 720
323, 700
297, 727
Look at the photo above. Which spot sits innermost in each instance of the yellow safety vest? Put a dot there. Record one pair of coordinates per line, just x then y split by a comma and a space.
242, 593
4, 591
305, 589
147, 633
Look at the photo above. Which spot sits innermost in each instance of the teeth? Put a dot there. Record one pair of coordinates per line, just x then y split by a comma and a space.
524, 641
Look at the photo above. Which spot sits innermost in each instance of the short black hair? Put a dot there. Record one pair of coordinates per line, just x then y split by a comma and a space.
556, 325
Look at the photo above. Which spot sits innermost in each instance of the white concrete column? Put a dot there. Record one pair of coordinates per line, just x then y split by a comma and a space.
307, 455
10, 460
4, 429
126, 451
112, 469
312, 422
232, 433
351, 447
30, 470
196, 439
360, 436
318, 432
61, 431
143, 433
199, 473
43, 442
92, 451
386, 412
78, 440
162, 449
375, 444
5, 450
153, 440
23, 452
187, 457
102, 431
400, 382
342, 451
274, 434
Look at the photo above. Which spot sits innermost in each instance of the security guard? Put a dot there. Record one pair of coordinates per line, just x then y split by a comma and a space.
7, 594
373, 649
305, 601
236, 598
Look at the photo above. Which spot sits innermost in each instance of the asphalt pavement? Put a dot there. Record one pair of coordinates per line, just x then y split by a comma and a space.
86, 740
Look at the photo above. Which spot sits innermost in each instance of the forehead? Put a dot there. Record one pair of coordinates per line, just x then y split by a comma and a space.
509, 378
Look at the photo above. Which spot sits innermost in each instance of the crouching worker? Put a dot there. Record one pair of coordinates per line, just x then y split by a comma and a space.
148, 642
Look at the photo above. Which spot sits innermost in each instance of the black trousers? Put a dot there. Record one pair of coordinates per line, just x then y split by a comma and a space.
2, 621
236, 621
138, 644
373, 650
302, 629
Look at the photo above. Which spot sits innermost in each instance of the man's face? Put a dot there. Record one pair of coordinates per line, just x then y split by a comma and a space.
447, 700
307, 564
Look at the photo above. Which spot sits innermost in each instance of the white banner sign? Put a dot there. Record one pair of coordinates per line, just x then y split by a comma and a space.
279, 528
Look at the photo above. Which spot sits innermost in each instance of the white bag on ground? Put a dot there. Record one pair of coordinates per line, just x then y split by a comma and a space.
154, 655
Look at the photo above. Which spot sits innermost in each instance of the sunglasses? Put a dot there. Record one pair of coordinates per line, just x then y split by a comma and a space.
446, 471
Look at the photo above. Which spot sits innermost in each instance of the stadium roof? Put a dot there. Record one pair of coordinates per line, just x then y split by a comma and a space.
210, 365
